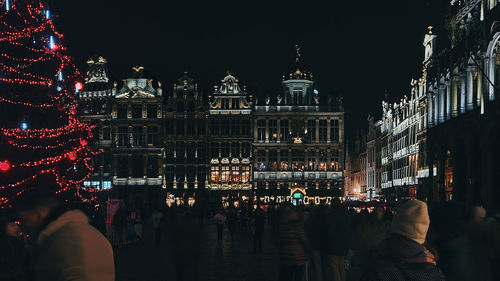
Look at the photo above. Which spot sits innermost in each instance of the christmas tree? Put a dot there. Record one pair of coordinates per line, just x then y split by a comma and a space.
43, 144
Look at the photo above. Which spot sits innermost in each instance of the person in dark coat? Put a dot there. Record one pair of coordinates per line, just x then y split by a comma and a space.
292, 244
336, 241
260, 222
404, 255
14, 255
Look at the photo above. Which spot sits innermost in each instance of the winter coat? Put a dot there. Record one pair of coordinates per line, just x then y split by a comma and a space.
404, 260
14, 260
291, 239
338, 233
71, 249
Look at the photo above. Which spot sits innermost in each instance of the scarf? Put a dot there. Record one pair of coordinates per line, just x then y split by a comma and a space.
409, 251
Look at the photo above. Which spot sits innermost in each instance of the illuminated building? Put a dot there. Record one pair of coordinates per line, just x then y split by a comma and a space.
130, 128
229, 139
298, 145
462, 87
185, 131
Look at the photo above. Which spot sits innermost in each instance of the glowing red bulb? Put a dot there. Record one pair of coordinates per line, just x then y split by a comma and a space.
4, 166
78, 86
71, 155
83, 142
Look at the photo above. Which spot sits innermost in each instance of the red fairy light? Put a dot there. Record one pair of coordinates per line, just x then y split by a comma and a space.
71, 155
78, 86
26, 59
4, 166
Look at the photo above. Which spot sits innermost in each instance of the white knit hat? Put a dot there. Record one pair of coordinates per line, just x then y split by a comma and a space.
412, 221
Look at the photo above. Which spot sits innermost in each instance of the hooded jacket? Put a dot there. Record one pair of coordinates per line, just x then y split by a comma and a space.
71, 249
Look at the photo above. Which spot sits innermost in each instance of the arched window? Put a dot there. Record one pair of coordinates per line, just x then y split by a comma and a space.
493, 66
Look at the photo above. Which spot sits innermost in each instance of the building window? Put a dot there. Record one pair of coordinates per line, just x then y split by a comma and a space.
235, 127
235, 174
180, 175
137, 111
235, 103
284, 160
214, 127
226, 174
152, 111
152, 166
224, 103
284, 132
153, 136
245, 175
214, 174
180, 127
261, 160
123, 166
334, 130
169, 152
245, 150
169, 127
245, 128
273, 130
323, 130
235, 149
214, 150
224, 149
190, 174
297, 160
191, 106
179, 152
190, 127
311, 130
311, 163
106, 133
201, 152
261, 130
323, 158
201, 127
273, 160
225, 127
137, 166
201, 174
122, 111
190, 152
138, 136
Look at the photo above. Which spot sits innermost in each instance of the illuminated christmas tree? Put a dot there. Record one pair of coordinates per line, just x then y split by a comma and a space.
42, 142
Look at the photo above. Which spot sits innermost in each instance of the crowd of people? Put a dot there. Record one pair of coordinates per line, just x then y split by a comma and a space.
43, 240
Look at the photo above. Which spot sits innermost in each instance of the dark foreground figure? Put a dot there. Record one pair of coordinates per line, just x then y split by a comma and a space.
404, 255
66, 246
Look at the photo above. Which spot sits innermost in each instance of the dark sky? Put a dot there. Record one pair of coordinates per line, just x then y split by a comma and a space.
357, 49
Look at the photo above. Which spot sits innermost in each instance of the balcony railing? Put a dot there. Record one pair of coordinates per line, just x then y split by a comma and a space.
285, 176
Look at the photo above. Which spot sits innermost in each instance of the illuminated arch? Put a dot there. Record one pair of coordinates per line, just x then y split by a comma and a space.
492, 64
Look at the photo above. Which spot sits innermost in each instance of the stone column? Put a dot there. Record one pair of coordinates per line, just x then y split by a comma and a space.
430, 110
441, 101
255, 130
448, 100
278, 128
328, 130
463, 92
470, 87
435, 99
479, 89
454, 97
317, 130
267, 130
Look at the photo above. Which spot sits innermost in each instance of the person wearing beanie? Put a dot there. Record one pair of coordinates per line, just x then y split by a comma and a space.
403, 254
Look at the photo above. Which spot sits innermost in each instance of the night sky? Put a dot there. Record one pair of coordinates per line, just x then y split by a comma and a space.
357, 49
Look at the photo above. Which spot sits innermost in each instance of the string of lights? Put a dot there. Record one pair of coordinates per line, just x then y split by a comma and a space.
34, 61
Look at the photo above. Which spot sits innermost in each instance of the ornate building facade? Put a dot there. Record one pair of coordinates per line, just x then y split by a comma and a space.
185, 141
130, 128
230, 138
298, 145
463, 108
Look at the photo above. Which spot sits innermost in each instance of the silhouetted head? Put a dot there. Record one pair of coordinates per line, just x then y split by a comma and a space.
35, 208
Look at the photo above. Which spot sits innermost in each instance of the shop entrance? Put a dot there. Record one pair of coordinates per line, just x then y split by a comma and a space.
298, 198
